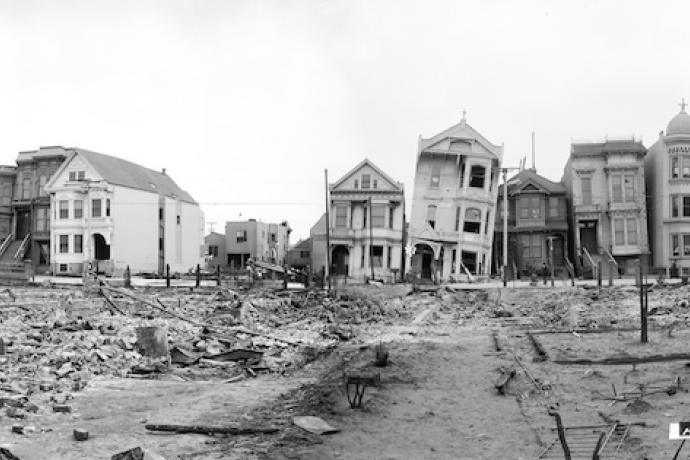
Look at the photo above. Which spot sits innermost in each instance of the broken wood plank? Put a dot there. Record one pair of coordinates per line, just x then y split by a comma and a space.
210, 430
541, 351
622, 360
110, 303
502, 382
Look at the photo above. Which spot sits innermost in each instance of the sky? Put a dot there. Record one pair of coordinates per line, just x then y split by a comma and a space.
245, 103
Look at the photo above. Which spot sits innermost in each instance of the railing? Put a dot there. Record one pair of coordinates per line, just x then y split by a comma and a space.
6, 243
22, 247
467, 272
612, 260
590, 260
569, 266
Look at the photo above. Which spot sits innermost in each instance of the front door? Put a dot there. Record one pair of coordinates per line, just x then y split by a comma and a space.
23, 224
588, 236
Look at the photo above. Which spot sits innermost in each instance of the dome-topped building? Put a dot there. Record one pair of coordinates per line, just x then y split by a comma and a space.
680, 124
667, 175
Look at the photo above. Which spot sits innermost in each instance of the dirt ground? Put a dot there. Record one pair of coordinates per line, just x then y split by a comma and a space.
436, 397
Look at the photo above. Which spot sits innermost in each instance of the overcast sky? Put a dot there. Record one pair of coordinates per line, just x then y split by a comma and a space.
246, 102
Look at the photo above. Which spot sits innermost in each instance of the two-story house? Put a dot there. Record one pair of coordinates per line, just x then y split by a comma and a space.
111, 213
367, 215
606, 192
537, 224
454, 204
256, 240
7, 181
31, 205
667, 171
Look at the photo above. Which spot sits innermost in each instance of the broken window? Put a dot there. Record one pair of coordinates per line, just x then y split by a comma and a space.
78, 241
366, 180
435, 176
78, 209
64, 209
477, 174
341, 216
96, 208
378, 216
241, 236
376, 256
63, 244
431, 215
473, 220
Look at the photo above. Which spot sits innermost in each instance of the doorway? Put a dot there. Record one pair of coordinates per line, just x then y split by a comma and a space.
340, 258
23, 224
424, 256
588, 235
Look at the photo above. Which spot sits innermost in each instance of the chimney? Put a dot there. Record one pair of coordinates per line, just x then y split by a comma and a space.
163, 171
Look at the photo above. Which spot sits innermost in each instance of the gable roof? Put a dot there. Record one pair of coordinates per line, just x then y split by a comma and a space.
127, 174
460, 131
529, 176
397, 185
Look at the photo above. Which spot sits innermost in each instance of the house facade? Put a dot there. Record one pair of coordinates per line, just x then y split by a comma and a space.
605, 182
537, 224
110, 213
299, 255
366, 224
214, 248
454, 204
667, 172
259, 241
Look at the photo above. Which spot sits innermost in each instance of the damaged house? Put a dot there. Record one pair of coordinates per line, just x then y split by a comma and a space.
111, 213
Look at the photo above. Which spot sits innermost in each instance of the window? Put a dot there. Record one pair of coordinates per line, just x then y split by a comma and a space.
378, 216
675, 247
586, 184
78, 209
675, 172
457, 218
6, 195
376, 256
686, 245
213, 251
362, 261
435, 176
341, 216
241, 236
63, 267
356, 183
390, 217
42, 181
63, 244
364, 217
26, 190
674, 206
477, 174
685, 162
629, 188
64, 209
366, 180
42, 224
619, 232
273, 237
431, 215
632, 230
553, 206
78, 239
530, 207
617, 187
686, 206
178, 217
81, 175
530, 246
304, 254
376, 183
96, 208
160, 214
72, 175
107, 209
473, 220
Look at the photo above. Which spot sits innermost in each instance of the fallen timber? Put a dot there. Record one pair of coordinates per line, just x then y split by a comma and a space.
622, 360
211, 430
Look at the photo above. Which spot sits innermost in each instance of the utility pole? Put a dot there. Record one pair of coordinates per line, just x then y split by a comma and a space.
328, 234
505, 227
371, 241
550, 238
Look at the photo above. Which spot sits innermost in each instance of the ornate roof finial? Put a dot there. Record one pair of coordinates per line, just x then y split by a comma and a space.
464, 113
682, 105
